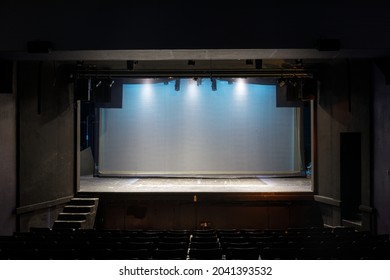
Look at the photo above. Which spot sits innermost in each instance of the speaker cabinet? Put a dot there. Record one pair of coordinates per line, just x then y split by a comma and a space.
82, 89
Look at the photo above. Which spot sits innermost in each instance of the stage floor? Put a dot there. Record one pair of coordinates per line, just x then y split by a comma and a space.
191, 185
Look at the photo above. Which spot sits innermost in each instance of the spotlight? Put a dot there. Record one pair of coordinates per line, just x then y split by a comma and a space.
177, 84
199, 81
111, 82
99, 83
213, 84
281, 82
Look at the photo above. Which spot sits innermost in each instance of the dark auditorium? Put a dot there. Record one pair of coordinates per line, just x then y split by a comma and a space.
194, 131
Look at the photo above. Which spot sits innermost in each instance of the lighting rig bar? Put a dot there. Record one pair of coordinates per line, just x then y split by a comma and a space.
271, 73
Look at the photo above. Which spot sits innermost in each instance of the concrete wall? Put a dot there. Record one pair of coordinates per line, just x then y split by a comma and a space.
47, 139
381, 150
8, 162
342, 106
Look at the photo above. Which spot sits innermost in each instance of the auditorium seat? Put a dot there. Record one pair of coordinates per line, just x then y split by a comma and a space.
280, 253
204, 239
131, 254
342, 229
175, 239
204, 245
229, 232
205, 254
241, 253
354, 252
170, 254
134, 245
380, 252
178, 233
323, 252
40, 229
247, 231
204, 231
172, 245
204, 234
153, 238
63, 254
295, 243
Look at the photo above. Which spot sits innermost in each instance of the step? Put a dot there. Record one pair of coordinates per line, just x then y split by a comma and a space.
79, 209
83, 201
72, 216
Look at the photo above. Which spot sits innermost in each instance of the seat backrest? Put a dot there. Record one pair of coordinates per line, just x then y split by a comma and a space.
235, 253
205, 254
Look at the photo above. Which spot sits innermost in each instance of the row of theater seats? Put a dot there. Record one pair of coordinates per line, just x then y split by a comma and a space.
294, 243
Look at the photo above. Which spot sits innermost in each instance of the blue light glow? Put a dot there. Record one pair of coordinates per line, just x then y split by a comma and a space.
235, 130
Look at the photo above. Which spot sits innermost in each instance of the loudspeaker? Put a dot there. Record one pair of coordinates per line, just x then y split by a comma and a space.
101, 91
287, 96
301, 90
6, 76
81, 89
292, 92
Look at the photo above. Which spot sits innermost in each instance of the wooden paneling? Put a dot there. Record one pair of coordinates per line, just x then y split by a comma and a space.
179, 211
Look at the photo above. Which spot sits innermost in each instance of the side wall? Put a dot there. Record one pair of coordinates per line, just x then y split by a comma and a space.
342, 106
47, 142
8, 177
381, 150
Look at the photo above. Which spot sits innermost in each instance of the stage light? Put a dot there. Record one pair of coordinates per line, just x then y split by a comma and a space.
111, 82
192, 88
213, 84
98, 83
241, 87
281, 82
177, 84
199, 81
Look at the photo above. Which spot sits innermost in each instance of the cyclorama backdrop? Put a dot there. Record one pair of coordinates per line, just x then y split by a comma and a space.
192, 129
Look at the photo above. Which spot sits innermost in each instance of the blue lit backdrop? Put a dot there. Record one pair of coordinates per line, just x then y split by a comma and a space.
236, 129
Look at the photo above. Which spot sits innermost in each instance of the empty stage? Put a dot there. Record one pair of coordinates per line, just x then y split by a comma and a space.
182, 203
194, 185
